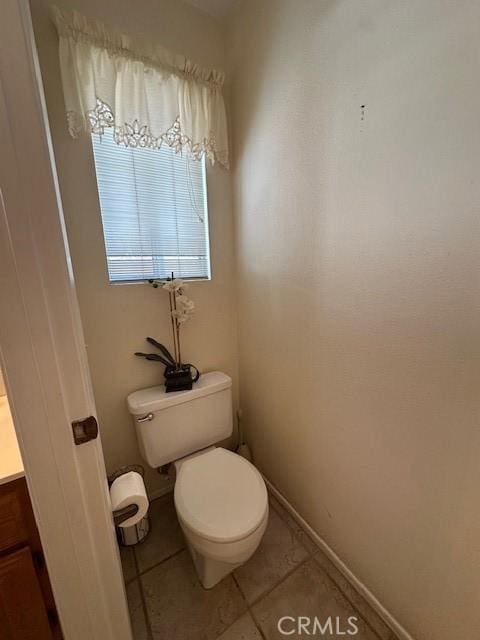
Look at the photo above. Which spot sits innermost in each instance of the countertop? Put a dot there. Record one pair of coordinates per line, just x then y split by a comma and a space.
11, 466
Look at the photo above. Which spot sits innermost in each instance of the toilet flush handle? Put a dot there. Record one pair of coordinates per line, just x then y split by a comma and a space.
146, 418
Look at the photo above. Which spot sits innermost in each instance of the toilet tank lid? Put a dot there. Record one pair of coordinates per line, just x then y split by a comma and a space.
155, 398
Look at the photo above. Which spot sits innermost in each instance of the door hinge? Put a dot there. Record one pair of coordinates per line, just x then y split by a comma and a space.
84, 430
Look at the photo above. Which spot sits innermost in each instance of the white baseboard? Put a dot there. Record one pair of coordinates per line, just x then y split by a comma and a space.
358, 585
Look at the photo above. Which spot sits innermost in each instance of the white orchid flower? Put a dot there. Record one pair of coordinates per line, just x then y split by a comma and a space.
174, 285
184, 303
181, 316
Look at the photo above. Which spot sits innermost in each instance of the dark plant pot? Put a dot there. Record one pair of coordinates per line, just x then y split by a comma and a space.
181, 378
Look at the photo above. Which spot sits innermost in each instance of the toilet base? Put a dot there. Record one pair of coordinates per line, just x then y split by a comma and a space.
214, 561
210, 571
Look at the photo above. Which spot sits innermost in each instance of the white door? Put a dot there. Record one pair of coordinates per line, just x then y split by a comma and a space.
43, 356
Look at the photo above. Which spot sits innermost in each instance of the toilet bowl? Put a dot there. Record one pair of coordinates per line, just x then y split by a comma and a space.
220, 498
222, 506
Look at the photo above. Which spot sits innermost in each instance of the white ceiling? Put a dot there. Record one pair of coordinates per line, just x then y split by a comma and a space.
216, 8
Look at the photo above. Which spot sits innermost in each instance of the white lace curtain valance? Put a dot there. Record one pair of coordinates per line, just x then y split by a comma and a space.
146, 95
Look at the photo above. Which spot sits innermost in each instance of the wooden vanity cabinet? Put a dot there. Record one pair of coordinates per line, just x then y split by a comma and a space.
27, 607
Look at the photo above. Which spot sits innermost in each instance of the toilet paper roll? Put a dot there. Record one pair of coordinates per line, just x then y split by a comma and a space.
126, 490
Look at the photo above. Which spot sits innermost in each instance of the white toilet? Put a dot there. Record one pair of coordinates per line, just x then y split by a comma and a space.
220, 498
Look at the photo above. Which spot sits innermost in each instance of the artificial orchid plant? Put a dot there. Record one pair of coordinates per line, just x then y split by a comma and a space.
181, 310
178, 375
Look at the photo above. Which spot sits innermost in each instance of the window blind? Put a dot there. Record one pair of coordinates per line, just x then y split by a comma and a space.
154, 212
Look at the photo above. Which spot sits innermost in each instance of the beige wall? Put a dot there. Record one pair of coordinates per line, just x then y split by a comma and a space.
116, 318
358, 260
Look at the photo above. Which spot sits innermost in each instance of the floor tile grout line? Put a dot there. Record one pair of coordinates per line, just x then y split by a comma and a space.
312, 555
267, 592
249, 610
157, 564
142, 598
234, 578
282, 579
285, 577
148, 623
257, 624
240, 588
352, 604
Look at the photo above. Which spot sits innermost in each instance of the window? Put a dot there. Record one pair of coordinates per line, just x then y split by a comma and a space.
154, 212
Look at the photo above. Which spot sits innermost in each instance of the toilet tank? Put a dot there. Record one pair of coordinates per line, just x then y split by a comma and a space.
172, 425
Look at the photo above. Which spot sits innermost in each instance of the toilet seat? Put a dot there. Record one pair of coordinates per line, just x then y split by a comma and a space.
220, 496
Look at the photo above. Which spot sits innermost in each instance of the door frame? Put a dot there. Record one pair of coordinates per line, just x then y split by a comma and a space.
43, 355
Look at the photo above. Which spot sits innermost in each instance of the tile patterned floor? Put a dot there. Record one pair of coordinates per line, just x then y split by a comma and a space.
288, 575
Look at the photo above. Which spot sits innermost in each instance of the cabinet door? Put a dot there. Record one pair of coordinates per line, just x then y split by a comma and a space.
22, 611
